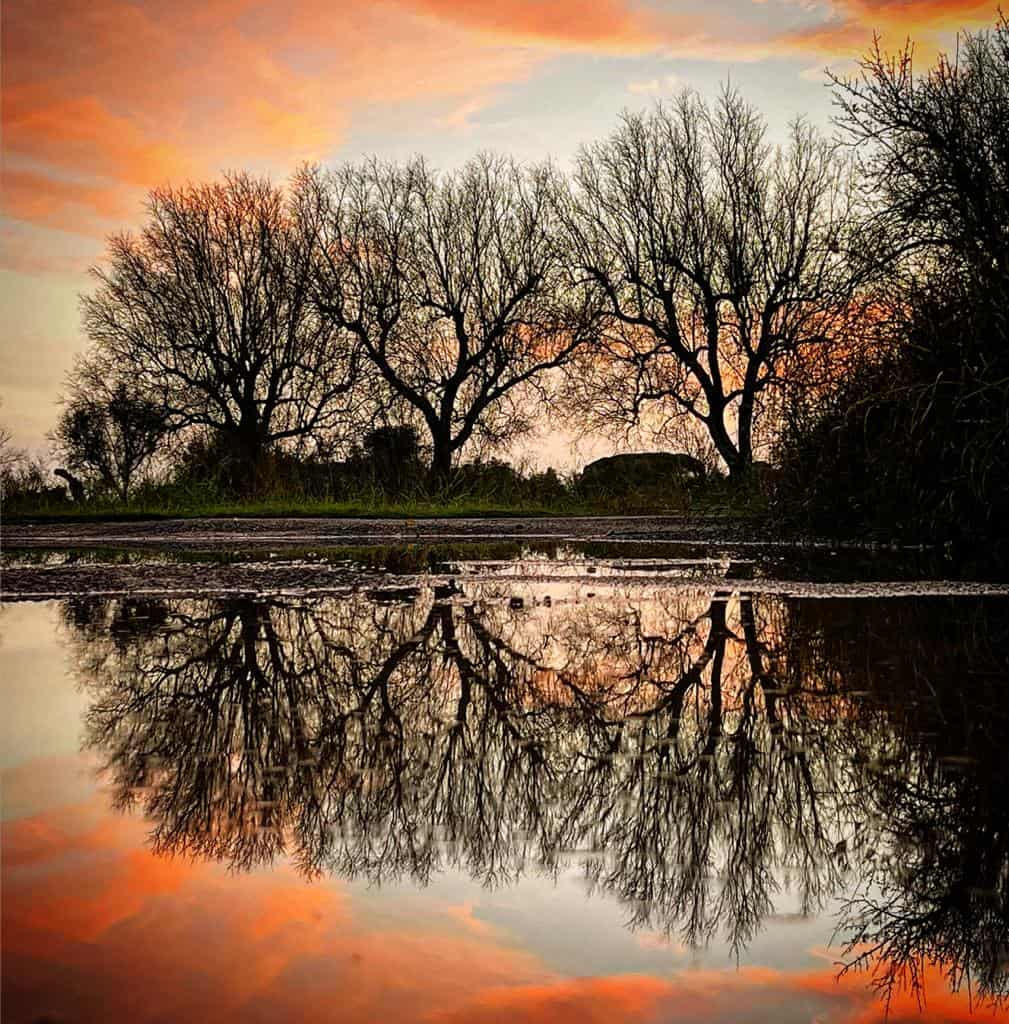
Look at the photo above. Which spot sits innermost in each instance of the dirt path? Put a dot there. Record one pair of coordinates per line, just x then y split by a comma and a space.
317, 556
267, 534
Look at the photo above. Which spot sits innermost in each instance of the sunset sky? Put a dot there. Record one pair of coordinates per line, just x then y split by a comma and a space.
103, 99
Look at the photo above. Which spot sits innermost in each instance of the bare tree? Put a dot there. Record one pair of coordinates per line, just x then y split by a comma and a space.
107, 428
716, 265
23, 474
208, 311
9, 454
934, 151
453, 284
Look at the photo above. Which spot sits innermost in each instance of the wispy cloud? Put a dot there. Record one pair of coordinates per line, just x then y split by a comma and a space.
111, 97
656, 86
104, 98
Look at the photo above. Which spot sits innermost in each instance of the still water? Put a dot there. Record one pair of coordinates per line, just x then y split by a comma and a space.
507, 798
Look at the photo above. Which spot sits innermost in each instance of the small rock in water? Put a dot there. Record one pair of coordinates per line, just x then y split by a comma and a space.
394, 595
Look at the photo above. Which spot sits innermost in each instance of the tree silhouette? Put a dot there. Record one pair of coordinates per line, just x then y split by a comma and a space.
107, 429
717, 268
208, 312
452, 284
686, 753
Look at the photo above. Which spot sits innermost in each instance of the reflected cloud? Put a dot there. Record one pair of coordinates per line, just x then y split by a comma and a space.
687, 754
281, 949
102, 943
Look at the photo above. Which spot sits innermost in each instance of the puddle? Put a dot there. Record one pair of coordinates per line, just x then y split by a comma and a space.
503, 784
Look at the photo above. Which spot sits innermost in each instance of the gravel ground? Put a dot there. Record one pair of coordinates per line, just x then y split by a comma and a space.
265, 556
249, 534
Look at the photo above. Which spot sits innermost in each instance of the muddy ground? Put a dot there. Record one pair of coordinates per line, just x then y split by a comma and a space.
274, 534
239, 556
328, 556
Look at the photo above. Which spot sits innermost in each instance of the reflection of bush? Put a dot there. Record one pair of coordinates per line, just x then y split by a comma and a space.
934, 782
686, 752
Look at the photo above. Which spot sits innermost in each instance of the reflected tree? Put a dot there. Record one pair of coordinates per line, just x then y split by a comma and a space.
932, 781
690, 754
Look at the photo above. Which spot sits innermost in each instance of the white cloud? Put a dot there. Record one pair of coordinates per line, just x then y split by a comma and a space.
654, 86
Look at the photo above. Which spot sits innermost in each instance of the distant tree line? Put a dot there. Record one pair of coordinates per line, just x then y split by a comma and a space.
834, 305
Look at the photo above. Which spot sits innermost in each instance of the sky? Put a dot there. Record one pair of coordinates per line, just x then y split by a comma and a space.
106, 99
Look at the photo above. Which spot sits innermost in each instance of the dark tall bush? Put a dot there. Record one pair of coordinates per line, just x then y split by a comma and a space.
916, 440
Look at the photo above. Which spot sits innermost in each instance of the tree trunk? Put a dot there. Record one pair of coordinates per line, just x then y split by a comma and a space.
744, 439
246, 451
441, 463
740, 470
735, 457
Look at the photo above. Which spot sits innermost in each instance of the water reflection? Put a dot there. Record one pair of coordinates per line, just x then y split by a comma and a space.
690, 754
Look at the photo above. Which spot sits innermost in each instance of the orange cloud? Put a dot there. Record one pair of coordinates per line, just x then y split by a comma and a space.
117, 97
929, 24
62, 130
931, 13
84, 207
576, 1001
612, 24
63, 907
97, 928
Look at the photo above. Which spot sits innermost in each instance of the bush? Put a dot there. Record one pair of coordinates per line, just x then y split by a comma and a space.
25, 484
916, 443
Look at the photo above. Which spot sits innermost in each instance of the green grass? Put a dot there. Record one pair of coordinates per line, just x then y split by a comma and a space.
174, 505
286, 508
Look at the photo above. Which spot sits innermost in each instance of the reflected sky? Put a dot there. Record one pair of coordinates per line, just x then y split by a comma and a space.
487, 805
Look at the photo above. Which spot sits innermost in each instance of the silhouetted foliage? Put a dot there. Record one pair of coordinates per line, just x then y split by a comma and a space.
918, 438
454, 286
24, 478
642, 473
391, 457
108, 431
209, 313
